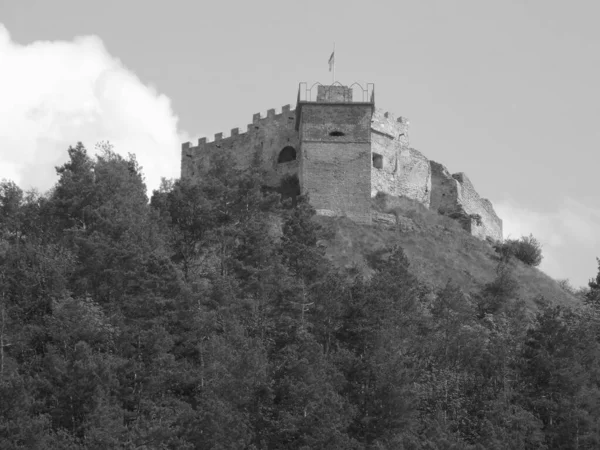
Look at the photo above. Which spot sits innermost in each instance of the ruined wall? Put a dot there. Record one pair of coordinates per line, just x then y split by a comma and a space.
335, 165
397, 169
269, 135
454, 195
345, 153
387, 124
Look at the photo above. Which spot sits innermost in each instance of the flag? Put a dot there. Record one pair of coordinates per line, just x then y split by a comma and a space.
331, 60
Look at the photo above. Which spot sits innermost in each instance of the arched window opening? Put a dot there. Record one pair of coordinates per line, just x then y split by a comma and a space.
377, 161
337, 133
287, 154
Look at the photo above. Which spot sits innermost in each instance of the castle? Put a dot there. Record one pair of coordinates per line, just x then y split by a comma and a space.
344, 151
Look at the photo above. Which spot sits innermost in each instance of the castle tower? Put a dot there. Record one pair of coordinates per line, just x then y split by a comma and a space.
344, 152
335, 151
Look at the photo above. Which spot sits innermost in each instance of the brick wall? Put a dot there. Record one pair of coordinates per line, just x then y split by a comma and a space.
336, 177
335, 170
334, 94
351, 119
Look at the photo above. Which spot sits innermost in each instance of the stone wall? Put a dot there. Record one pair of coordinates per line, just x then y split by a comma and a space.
455, 196
387, 124
335, 165
268, 135
397, 169
346, 153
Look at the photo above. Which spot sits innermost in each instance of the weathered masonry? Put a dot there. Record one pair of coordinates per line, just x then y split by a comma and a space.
454, 195
335, 149
344, 151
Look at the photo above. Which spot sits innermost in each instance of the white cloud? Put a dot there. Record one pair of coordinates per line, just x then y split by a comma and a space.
570, 236
56, 93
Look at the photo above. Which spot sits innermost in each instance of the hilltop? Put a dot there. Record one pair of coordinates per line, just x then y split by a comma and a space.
439, 251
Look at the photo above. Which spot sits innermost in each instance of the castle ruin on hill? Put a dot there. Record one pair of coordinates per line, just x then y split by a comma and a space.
344, 151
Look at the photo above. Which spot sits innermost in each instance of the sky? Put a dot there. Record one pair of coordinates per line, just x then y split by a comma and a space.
506, 91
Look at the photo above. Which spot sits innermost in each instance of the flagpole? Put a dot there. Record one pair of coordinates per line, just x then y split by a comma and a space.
333, 81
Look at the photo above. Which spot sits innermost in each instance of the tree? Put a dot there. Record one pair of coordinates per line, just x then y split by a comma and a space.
103, 211
592, 296
383, 320
497, 295
11, 201
560, 370
190, 217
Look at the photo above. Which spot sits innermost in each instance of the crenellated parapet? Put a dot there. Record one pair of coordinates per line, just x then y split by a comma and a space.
267, 133
387, 124
258, 120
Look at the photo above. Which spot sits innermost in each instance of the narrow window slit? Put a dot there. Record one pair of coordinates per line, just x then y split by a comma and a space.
377, 161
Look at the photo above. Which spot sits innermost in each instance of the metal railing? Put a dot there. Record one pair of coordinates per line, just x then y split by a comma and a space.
360, 93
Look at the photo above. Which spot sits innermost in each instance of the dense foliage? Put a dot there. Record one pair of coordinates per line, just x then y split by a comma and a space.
210, 318
527, 249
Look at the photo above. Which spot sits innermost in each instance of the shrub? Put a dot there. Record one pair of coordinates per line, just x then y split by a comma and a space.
496, 294
505, 250
565, 285
527, 249
476, 218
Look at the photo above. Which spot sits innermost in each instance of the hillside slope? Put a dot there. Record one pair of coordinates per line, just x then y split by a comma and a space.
438, 249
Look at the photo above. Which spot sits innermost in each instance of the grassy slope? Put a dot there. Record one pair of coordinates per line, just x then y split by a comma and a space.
438, 249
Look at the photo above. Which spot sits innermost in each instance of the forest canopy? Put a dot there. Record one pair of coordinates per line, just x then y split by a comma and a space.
210, 317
